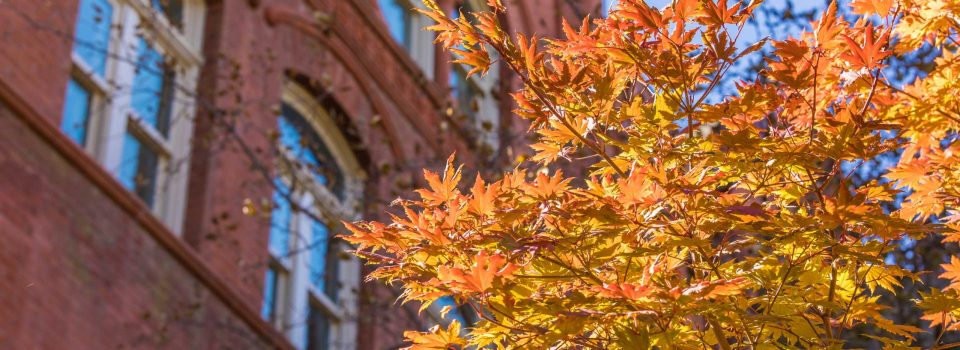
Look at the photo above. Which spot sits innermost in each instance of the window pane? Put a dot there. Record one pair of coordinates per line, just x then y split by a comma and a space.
270, 283
318, 254
463, 92
76, 112
92, 33
398, 18
292, 139
323, 261
280, 221
152, 92
318, 329
172, 9
298, 137
138, 168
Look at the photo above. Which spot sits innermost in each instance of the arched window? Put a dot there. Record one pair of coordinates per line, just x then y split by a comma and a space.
301, 143
310, 282
128, 100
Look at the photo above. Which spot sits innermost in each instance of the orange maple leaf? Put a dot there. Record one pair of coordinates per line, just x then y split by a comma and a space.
718, 288
939, 318
547, 186
953, 227
870, 7
718, 13
909, 174
373, 234
637, 189
441, 190
631, 291
829, 27
685, 8
486, 268
871, 53
951, 271
645, 15
436, 338
484, 197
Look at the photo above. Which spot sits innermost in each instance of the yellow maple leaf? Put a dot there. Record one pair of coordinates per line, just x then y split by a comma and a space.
486, 268
436, 338
871, 7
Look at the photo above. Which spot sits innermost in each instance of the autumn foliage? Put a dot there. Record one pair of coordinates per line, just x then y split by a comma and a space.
706, 221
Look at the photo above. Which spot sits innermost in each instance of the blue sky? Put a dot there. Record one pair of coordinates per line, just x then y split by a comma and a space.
750, 35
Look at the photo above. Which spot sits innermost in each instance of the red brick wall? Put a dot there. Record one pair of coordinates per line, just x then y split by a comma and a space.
396, 113
79, 272
35, 46
76, 271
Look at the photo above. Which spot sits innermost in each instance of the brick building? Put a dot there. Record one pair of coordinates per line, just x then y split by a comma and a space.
173, 172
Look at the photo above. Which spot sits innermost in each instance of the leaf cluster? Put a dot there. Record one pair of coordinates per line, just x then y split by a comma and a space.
706, 221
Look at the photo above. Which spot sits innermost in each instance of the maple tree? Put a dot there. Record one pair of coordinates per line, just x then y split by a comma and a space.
706, 221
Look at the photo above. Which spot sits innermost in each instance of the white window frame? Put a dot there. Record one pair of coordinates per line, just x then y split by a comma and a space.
293, 309
422, 49
420, 46
100, 87
111, 114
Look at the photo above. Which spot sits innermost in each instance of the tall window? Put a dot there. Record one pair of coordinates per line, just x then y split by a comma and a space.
128, 99
397, 15
310, 281
474, 97
464, 90
93, 34
406, 27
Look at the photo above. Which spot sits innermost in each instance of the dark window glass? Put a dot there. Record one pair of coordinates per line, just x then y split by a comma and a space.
464, 92
138, 168
298, 137
76, 112
172, 10
92, 34
318, 329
